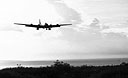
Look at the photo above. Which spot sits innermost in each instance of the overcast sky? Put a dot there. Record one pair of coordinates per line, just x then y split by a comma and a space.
99, 30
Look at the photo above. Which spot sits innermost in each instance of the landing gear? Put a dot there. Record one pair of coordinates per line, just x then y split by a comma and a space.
49, 28
37, 28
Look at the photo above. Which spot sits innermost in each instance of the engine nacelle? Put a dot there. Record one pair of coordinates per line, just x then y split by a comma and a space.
49, 28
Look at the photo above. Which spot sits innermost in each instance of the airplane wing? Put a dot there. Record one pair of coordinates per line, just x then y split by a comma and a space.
27, 25
31, 25
43, 26
58, 25
65, 24
21, 24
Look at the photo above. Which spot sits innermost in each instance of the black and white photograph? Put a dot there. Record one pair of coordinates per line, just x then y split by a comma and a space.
63, 38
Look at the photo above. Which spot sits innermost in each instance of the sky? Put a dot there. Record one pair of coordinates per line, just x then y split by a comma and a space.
99, 30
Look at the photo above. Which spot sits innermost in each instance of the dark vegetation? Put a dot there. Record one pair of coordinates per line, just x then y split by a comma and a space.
64, 70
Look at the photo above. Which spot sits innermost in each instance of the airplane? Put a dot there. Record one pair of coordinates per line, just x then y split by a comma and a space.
45, 26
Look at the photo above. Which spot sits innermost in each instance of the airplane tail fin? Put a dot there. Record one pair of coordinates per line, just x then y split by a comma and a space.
39, 22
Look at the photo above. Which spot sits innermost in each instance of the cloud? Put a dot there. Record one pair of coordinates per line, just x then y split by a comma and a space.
95, 24
64, 43
116, 30
106, 30
101, 44
121, 31
68, 14
92, 41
